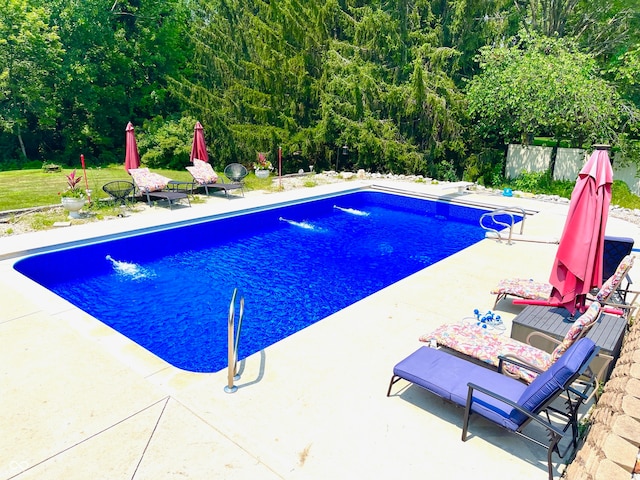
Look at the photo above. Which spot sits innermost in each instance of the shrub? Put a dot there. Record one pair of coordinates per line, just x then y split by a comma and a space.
534, 182
472, 169
31, 165
622, 195
446, 171
485, 167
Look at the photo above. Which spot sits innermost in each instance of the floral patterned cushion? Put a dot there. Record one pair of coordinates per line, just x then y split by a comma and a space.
477, 342
583, 323
612, 284
147, 181
202, 172
524, 288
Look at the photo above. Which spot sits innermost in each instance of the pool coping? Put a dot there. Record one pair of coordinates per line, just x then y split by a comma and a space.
292, 423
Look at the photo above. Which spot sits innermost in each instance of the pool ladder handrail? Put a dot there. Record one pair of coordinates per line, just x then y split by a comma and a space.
232, 343
504, 211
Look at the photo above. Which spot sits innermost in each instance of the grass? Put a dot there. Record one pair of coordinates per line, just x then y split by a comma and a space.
35, 188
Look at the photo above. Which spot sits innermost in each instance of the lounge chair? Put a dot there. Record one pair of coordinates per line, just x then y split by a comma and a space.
530, 292
502, 400
204, 176
481, 345
153, 186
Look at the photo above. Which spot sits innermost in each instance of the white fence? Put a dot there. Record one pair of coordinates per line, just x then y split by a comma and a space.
569, 162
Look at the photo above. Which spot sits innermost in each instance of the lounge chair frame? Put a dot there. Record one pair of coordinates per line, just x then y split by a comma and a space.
169, 196
225, 187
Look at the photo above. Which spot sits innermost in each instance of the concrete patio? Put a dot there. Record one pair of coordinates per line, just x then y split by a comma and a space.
79, 400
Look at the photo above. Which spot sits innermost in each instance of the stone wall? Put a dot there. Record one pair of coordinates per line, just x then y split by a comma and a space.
611, 446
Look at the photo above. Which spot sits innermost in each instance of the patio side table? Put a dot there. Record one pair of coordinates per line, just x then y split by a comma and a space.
179, 186
608, 332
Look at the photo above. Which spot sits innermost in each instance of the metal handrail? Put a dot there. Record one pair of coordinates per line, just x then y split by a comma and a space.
522, 212
503, 211
232, 343
498, 222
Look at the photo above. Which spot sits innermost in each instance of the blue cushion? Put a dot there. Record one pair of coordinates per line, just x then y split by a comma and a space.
550, 382
434, 370
447, 376
490, 407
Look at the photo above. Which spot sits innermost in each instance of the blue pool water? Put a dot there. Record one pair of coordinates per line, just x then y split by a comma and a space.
169, 290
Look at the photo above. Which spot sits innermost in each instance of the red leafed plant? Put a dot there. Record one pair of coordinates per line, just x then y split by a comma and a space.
72, 186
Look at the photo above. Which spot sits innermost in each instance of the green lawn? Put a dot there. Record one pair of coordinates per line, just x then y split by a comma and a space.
33, 188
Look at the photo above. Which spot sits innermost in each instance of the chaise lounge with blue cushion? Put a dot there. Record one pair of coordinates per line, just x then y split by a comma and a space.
503, 400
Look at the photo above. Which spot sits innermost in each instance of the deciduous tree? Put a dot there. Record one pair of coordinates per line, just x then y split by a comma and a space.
30, 57
543, 87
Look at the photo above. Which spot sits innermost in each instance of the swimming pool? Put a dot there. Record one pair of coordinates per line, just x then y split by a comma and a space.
169, 290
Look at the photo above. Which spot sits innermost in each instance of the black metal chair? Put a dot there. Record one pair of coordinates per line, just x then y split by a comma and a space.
120, 191
235, 172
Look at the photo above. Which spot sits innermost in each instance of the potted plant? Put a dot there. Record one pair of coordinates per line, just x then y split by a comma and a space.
263, 166
73, 198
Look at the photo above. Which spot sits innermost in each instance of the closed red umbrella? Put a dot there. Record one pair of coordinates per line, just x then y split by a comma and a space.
132, 157
199, 147
578, 264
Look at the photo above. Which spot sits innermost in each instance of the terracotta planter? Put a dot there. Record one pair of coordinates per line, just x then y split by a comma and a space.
73, 205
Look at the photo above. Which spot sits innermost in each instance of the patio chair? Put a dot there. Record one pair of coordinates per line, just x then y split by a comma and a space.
475, 343
119, 191
530, 292
235, 172
204, 176
502, 400
153, 186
